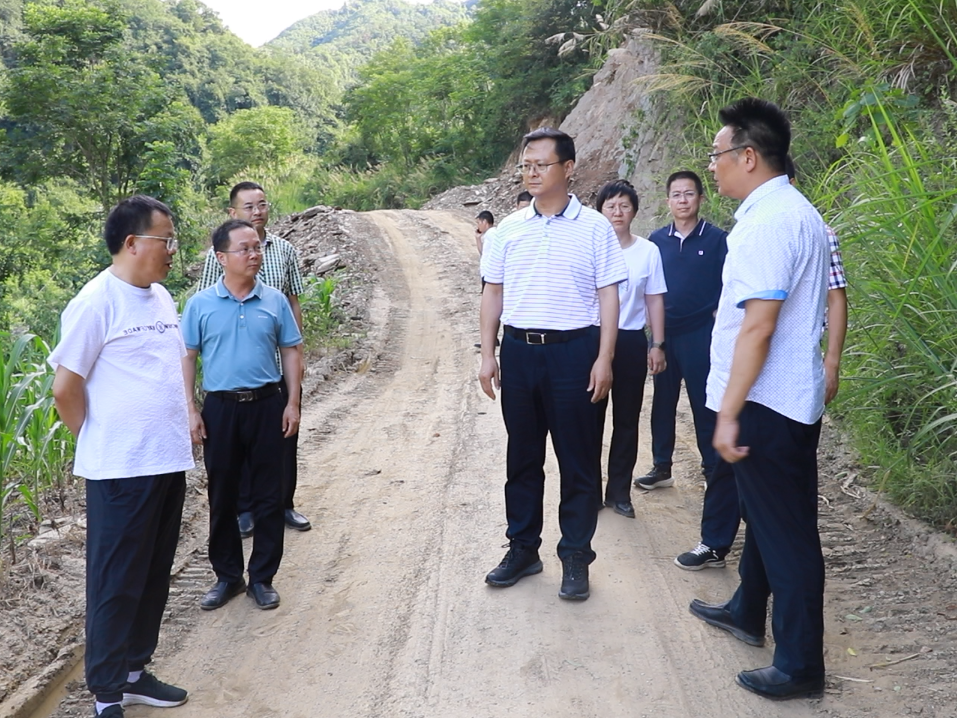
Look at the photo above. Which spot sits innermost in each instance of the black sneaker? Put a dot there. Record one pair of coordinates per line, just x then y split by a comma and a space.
700, 557
658, 478
149, 691
518, 563
113, 711
574, 578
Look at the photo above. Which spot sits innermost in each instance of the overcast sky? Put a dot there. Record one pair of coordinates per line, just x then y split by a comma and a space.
258, 22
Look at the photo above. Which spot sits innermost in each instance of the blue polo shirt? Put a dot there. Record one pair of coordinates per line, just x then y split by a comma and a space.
238, 339
692, 267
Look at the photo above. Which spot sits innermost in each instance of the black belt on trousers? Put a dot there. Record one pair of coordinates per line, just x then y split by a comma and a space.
544, 336
244, 395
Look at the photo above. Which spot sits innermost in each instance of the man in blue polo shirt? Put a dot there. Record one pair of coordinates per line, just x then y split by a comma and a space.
237, 326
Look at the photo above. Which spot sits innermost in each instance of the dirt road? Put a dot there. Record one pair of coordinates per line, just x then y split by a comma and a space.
384, 611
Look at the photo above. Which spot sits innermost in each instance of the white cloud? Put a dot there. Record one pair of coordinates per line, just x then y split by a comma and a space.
257, 22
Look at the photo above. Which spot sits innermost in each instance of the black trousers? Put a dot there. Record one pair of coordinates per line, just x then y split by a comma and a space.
290, 469
131, 534
777, 483
721, 513
688, 357
544, 391
629, 368
239, 434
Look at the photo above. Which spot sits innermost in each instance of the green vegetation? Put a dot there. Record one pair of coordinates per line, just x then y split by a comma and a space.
867, 85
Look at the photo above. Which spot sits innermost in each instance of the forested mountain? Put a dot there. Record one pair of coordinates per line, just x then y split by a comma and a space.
338, 42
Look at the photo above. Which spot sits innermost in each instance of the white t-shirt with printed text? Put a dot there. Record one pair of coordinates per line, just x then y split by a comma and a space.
645, 276
125, 342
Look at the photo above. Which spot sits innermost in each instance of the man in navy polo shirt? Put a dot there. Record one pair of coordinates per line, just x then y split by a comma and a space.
692, 254
552, 273
237, 326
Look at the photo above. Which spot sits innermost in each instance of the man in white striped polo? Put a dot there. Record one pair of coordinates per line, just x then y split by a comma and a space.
552, 274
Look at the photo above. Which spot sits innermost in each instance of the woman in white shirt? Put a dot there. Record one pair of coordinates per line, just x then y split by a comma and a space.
642, 302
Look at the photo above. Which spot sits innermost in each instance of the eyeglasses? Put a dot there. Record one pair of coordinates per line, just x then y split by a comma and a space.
262, 207
712, 156
689, 195
172, 244
539, 167
245, 251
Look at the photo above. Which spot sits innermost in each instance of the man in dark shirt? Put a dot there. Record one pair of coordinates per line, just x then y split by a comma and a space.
692, 254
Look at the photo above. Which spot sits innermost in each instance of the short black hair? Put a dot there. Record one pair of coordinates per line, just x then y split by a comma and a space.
684, 174
789, 169
564, 144
220, 238
242, 187
761, 125
524, 196
613, 189
486, 216
132, 215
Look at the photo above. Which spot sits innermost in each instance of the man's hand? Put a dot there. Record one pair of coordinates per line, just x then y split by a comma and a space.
489, 376
832, 379
290, 420
197, 429
599, 383
726, 440
656, 361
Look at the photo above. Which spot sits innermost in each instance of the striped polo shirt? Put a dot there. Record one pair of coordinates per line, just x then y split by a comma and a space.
551, 268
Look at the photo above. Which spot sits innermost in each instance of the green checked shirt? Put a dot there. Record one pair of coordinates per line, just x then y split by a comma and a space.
280, 270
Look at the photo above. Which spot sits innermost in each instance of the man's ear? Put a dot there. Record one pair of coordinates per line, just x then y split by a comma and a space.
130, 243
231, 212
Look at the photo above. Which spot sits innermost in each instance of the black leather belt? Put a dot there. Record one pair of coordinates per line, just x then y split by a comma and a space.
244, 395
545, 336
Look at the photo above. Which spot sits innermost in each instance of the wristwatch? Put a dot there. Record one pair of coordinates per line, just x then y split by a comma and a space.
656, 345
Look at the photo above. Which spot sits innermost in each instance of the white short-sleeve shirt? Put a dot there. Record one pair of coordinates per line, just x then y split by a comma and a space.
645, 276
777, 250
125, 342
550, 268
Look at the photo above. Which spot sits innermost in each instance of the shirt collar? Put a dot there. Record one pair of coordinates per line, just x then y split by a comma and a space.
270, 238
223, 293
572, 209
698, 229
759, 193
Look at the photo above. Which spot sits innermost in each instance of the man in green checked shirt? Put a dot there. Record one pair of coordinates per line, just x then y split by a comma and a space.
280, 270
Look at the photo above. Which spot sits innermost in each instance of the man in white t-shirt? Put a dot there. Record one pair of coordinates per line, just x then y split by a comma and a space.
767, 385
119, 388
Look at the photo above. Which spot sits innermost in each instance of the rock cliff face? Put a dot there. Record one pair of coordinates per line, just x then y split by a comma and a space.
619, 132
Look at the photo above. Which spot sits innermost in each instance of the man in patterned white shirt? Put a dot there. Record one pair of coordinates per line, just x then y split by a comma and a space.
767, 385
280, 270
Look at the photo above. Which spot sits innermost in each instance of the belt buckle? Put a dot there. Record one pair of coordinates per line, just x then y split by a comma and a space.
244, 396
539, 335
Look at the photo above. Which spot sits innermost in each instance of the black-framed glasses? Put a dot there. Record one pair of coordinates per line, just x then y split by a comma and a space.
245, 251
262, 207
539, 167
712, 156
172, 244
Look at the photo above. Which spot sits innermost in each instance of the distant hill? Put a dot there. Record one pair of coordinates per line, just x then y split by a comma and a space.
340, 41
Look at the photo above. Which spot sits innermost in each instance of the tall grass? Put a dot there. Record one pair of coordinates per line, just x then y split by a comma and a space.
34, 444
867, 86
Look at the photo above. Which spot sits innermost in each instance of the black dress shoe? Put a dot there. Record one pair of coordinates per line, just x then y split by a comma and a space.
266, 596
219, 595
574, 578
296, 520
246, 524
718, 615
621, 507
772, 683
519, 562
